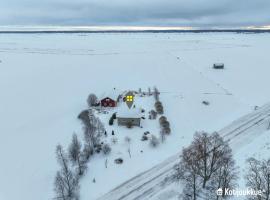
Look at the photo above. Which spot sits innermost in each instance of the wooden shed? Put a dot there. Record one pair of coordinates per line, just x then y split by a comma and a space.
108, 102
218, 66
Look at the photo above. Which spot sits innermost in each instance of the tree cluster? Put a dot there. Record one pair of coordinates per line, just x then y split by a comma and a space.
73, 164
93, 130
206, 165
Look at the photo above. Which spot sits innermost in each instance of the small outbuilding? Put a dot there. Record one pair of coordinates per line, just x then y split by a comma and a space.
218, 66
108, 102
112, 98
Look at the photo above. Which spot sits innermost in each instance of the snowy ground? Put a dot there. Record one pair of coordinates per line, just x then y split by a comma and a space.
156, 183
45, 79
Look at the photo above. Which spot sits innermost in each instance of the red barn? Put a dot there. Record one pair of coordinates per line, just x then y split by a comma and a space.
108, 102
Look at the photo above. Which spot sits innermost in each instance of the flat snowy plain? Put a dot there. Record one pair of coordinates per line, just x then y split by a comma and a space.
46, 78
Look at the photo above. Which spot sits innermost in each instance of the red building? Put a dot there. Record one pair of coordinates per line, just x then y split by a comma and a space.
108, 102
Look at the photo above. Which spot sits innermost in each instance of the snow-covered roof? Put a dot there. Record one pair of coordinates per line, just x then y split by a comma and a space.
124, 111
218, 64
113, 94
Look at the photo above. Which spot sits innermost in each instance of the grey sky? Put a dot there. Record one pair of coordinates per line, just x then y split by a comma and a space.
136, 12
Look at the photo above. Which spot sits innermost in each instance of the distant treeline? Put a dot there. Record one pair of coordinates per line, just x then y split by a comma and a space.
144, 31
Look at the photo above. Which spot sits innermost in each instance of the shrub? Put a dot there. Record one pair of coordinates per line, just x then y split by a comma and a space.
92, 100
111, 121
165, 124
146, 133
106, 149
160, 110
154, 142
205, 103
113, 117
167, 130
152, 114
144, 138
119, 160
162, 119
84, 116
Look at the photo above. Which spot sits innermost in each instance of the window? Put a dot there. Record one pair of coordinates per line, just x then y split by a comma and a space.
129, 98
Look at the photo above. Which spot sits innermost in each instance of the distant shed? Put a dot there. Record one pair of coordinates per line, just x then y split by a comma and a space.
218, 66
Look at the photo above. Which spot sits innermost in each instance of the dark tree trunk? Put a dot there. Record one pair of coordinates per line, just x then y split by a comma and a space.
194, 187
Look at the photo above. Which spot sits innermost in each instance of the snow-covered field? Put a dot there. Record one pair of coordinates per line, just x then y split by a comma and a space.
45, 80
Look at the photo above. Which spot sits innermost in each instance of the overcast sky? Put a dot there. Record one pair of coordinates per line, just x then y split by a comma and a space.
202, 13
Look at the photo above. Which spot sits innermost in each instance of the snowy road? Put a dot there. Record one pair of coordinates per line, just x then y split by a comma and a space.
145, 185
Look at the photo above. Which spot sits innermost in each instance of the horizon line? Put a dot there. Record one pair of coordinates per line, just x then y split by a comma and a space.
79, 28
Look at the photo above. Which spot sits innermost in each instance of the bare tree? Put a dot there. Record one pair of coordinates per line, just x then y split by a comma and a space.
149, 91
106, 149
66, 186
92, 100
66, 183
62, 158
207, 162
89, 139
191, 189
76, 155
87, 152
128, 141
100, 129
156, 94
187, 172
225, 177
59, 187
210, 151
258, 177
92, 133
84, 117
162, 135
